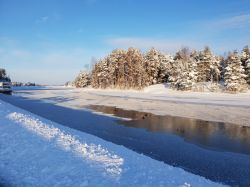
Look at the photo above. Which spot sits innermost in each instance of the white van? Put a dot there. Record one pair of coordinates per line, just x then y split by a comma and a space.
5, 86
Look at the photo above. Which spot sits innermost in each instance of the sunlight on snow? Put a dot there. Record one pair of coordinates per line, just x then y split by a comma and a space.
112, 164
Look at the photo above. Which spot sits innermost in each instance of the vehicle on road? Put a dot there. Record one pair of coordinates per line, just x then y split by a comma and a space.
5, 86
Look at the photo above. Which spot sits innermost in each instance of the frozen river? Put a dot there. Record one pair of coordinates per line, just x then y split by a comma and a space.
217, 151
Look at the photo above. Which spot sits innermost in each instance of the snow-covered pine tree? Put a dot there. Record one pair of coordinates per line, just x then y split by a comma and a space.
245, 55
121, 69
168, 64
173, 71
117, 68
138, 77
156, 66
103, 75
203, 65
185, 70
234, 76
245, 59
152, 61
165, 66
82, 80
215, 67
100, 74
94, 75
248, 70
193, 73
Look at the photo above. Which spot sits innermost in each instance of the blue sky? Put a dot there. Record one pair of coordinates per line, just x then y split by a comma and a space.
50, 41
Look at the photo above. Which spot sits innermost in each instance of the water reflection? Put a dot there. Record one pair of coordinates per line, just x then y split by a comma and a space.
212, 135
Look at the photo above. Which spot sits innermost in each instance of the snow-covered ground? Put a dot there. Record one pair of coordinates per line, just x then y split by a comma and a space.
39, 152
158, 99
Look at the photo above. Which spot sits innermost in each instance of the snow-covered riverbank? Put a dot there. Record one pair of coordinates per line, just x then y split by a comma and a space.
38, 152
156, 99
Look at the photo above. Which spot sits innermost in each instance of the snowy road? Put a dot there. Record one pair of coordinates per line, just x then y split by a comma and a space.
39, 152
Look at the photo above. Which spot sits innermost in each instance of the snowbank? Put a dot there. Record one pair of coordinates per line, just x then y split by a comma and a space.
38, 152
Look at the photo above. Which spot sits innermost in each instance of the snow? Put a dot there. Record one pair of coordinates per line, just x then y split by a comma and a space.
39, 152
157, 99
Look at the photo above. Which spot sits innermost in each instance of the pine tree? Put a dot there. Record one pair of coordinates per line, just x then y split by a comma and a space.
82, 80
164, 68
185, 68
152, 61
203, 65
245, 59
103, 75
245, 55
208, 66
121, 69
215, 67
248, 70
94, 76
157, 65
2, 73
117, 68
152, 65
168, 63
234, 76
138, 77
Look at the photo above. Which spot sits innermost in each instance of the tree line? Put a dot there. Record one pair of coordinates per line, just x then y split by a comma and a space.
3, 75
131, 69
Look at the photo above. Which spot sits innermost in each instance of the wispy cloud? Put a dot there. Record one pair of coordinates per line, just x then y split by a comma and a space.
207, 32
42, 19
235, 22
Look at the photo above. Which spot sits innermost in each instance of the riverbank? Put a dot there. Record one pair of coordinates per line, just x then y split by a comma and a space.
157, 99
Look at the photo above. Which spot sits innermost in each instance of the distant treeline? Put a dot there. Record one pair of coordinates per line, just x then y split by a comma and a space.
131, 68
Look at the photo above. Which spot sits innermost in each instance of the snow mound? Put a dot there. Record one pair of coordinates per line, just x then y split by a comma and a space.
111, 163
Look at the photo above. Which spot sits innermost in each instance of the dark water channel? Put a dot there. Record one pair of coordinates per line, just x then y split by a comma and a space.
219, 150
212, 135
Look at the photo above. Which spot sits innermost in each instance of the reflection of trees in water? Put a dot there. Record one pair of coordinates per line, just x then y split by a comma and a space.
192, 129
238, 132
119, 112
184, 127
